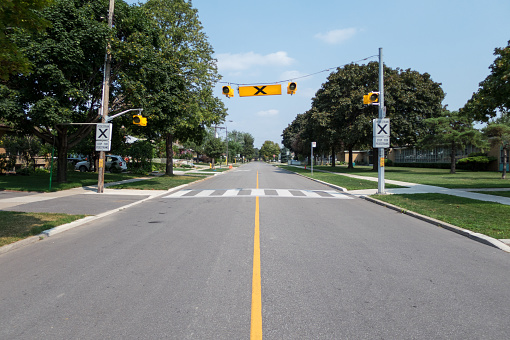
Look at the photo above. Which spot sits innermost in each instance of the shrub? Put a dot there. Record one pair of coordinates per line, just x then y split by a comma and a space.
475, 163
23, 171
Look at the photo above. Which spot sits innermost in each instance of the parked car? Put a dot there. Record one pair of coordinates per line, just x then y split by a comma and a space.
74, 160
117, 161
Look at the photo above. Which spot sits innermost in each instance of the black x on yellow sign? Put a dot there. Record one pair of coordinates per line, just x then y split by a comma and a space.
260, 90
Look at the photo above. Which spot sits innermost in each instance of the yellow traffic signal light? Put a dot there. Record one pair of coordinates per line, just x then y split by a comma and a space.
228, 91
139, 120
371, 99
291, 88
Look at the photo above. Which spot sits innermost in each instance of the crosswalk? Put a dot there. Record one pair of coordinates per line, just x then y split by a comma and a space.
240, 192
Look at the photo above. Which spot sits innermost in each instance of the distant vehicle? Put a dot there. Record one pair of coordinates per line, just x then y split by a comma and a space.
74, 160
110, 159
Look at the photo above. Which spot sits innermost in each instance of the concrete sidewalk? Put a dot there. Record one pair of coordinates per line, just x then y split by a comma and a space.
414, 188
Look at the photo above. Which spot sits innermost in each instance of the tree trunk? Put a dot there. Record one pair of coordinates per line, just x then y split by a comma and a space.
350, 166
375, 159
505, 153
62, 156
452, 159
169, 154
333, 157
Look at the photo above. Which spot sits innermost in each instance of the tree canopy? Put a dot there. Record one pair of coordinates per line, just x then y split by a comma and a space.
493, 95
338, 116
450, 130
16, 16
161, 62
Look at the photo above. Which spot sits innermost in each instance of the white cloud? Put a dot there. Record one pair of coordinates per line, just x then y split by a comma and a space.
244, 61
337, 36
268, 113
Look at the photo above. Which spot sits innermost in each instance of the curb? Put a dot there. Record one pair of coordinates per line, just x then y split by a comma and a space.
487, 240
64, 227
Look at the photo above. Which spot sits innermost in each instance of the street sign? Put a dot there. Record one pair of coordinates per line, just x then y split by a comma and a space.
314, 144
104, 131
103, 145
260, 90
381, 133
103, 137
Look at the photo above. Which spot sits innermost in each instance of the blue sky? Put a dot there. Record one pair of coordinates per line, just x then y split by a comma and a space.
269, 41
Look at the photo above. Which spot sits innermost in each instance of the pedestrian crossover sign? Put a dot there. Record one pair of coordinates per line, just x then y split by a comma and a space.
260, 90
103, 137
381, 133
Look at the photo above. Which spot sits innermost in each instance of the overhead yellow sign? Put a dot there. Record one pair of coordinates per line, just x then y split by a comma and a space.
260, 90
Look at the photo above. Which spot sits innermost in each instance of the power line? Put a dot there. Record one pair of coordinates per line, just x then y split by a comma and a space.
300, 77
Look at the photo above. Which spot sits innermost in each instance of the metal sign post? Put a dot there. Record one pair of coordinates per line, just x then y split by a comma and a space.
314, 144
382, 114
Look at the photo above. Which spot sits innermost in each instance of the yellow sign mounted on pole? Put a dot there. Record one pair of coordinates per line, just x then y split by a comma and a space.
260, 90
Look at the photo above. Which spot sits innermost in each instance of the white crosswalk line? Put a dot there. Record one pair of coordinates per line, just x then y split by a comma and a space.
204, 193
310, 193
231, 193
283, 193
257, 192
179, 193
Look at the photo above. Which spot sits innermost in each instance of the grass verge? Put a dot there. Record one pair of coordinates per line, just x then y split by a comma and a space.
158, 183
343, 181
487, 218
436, 177
40, 182
16, 226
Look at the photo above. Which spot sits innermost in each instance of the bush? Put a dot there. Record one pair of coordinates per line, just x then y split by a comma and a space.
23, 171
475, 163
424, 165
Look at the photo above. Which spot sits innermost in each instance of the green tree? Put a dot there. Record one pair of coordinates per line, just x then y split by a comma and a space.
26, 147
177, 74
269, 149
22, 17
248, 147
294, 135
493, 94
65, 83
214, 148
451, 130
410, 97
499, 136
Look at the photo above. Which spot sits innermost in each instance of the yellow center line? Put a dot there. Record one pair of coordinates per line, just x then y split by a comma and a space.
256, 294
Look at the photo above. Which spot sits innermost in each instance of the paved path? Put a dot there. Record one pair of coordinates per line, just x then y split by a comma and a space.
414, 188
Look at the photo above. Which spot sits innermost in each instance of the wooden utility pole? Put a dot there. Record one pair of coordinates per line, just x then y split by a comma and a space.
105, 99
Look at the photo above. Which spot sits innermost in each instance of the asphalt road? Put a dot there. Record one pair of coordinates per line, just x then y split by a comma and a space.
180, 266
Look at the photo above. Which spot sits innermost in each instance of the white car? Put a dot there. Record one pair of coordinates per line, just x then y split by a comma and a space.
121, 164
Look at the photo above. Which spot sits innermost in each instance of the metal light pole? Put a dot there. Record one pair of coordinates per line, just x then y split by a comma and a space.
226, 137
382, 114
104, 101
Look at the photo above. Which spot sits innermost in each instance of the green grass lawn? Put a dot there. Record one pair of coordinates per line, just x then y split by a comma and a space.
489, 218
437, 177
495, 193
41, 182
158, 183
343, 181
16, 226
